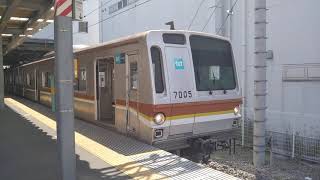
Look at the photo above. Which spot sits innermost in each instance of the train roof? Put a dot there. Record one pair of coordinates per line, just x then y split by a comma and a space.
127, 40
135, 37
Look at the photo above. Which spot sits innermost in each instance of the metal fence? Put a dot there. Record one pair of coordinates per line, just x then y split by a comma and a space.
286, 144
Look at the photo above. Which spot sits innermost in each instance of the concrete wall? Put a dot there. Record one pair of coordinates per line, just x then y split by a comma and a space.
293, 94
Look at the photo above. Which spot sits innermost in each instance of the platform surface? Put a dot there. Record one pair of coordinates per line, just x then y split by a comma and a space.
28, 151
101, 153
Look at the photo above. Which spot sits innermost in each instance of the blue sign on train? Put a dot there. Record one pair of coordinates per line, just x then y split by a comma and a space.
120, 58
178, 62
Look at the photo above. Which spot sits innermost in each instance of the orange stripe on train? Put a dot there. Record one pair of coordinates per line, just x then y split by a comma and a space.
182, 108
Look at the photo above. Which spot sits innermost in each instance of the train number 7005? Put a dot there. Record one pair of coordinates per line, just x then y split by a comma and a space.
182, 94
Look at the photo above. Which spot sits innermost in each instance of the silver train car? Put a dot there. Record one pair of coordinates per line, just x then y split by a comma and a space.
162, 87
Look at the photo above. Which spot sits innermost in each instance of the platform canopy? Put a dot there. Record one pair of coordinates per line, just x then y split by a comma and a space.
20, 19
30, 50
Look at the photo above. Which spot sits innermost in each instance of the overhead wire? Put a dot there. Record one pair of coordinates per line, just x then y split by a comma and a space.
226, 19
137, 5
100, 21
195, 15
213, 11
86, 15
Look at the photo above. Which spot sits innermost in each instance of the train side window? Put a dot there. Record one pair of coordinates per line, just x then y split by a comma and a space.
10, 79
45, 79
157, 69
82, 79
28, 80
134, 75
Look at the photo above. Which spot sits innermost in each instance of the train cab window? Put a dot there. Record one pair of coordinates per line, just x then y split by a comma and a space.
157, 69
213, 63
134, 75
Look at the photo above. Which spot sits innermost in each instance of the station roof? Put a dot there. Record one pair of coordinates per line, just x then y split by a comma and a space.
20, 19
30, 50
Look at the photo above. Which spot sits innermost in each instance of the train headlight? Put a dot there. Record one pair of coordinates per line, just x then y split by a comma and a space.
236, 110
159, 118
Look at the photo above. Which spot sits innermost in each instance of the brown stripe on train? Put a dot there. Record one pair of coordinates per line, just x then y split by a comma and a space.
83, 95
183, 108
80, 95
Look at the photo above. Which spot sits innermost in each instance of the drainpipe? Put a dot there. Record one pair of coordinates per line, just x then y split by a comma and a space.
244, 67
260, 84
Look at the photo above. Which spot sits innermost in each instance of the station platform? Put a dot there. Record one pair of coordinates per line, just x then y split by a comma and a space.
29, 151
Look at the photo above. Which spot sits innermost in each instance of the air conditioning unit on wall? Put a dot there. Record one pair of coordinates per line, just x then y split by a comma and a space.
83, 27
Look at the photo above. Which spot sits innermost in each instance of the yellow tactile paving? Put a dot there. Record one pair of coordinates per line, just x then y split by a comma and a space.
123, 163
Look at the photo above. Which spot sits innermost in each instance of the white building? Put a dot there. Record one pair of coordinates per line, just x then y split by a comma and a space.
123, 17
294, 71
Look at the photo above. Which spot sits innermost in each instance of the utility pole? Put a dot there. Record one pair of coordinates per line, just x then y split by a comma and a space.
1, 77
260, 84
64, 89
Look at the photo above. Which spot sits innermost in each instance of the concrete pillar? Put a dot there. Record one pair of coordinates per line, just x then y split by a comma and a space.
64, 97
1, 77
260, 84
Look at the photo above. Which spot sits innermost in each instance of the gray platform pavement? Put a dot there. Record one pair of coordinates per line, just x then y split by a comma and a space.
27, 152
96, 149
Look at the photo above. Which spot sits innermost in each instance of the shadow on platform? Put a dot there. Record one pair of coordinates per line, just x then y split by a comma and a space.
26, 152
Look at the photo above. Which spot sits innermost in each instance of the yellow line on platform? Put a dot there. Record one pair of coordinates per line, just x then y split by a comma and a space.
123, 163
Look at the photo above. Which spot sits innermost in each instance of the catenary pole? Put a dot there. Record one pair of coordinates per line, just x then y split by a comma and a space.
64, 90
1, 77
260, 84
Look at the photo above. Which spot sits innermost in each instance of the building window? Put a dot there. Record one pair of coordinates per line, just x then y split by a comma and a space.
120, 5
113, 8
124, 3
134, 75
156, 57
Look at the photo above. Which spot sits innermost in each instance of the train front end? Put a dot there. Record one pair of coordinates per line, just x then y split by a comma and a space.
195, 85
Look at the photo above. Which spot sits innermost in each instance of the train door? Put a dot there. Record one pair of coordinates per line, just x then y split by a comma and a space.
181, 87
132, 104
105, 100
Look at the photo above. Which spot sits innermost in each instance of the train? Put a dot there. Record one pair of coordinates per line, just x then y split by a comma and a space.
167, 88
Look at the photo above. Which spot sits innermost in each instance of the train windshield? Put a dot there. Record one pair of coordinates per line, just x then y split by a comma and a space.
213, 63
